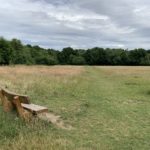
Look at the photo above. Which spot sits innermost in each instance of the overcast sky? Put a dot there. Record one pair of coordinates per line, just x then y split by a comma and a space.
77, 23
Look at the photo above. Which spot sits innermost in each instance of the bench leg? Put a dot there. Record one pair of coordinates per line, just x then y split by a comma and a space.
0, 97
24, 114
7, 105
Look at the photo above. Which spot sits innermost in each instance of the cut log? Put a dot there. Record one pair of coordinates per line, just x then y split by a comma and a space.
10, 96
35, 109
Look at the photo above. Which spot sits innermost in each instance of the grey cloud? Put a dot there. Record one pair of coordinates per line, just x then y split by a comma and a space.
77, 23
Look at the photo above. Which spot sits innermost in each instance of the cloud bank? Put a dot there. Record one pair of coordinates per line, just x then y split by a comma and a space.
77, 23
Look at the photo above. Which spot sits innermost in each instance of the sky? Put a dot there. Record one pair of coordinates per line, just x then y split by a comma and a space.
77, 23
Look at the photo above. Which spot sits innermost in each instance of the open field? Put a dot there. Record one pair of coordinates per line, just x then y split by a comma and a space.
108, 107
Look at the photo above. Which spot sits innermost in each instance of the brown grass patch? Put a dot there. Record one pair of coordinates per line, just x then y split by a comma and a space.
48, 70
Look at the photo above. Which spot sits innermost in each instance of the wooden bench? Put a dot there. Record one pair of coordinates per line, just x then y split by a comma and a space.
21, 103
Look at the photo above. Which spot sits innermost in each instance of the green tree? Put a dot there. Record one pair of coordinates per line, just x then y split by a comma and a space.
28, 59
5, 52
77, 60
18, 53
136, 56
95, 56
64, 56
146, 60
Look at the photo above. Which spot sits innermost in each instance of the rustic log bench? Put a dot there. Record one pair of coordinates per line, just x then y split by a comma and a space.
21, 103
12, 101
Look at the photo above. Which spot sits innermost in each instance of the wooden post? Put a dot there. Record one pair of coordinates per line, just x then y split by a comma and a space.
0, 97
24, 114
7, 105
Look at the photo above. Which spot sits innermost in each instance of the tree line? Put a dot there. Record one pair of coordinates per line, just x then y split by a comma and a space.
14, 52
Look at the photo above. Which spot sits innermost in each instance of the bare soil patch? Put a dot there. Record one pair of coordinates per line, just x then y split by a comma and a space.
54, 119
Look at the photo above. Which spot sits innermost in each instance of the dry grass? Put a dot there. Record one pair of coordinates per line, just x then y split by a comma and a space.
21, 78
46, 70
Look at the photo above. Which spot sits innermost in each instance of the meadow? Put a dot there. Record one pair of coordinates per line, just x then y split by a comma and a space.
107, 106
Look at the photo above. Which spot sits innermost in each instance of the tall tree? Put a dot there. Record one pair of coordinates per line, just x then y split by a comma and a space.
136, 56
5, 52
95, 56
64, 56
18, 53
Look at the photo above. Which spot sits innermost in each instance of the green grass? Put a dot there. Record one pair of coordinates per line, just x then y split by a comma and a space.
109, 108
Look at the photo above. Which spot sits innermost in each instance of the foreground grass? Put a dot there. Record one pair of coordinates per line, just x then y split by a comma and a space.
109, 108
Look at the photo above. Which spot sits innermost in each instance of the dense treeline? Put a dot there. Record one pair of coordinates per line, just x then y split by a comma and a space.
14, 52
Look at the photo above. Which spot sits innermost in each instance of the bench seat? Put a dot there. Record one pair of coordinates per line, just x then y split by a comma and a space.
35, 109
